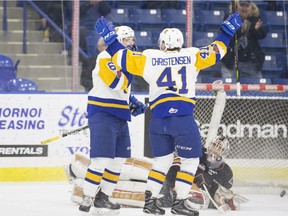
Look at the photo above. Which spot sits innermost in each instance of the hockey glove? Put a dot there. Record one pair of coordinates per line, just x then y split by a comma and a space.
106, 30
136, 107
231, 24
224, 196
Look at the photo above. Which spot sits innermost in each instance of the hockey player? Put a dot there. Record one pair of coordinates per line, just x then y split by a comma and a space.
171, 74
108, 113
212, 172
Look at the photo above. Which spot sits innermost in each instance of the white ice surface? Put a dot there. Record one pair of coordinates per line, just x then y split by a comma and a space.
53, 199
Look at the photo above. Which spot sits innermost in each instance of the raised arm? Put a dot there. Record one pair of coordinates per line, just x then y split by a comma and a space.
211, 54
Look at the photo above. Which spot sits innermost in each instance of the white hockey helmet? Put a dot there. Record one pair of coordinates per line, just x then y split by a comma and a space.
217, 152
124, 32
170, 38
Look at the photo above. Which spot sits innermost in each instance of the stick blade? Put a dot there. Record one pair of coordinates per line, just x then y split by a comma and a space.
44, 142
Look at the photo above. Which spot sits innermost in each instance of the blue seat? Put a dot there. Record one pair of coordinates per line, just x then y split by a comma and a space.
129, 4
209, 19
201, 39
174, 17
21, 85
272, 66
209, 79
147, 19
199, 79
120, 16
273, 42
198, 5
214, 70
7, 68
144, 40
275, 20
92, 38
155, 37
219, 5
3, 86
250, 80
280, 81
262, 5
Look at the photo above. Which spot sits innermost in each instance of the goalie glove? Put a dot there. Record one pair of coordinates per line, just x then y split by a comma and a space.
198, 199
106, 30
223, 196
136, 107
231, 24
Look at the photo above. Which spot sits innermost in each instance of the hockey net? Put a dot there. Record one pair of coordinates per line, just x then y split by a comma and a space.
255, 124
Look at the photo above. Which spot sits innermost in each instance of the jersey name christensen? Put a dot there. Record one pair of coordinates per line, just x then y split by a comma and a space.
171, 61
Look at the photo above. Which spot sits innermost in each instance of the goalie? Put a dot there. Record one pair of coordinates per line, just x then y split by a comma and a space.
212, 172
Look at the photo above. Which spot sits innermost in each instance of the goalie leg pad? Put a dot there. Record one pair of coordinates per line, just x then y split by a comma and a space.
129, 193
79, 165
77, 192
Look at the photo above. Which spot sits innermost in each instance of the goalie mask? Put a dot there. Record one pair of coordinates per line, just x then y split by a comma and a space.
217, 152
126, 36
170, 38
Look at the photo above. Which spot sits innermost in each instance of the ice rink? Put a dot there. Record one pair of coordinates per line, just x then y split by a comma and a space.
53, 199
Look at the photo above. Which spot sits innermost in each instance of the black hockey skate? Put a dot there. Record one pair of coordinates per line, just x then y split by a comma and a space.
151, 205
181, 208
103, 206
102, 201
85, 204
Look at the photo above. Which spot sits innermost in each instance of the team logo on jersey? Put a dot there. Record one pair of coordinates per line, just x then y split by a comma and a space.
136, 54
212, 172
172, 110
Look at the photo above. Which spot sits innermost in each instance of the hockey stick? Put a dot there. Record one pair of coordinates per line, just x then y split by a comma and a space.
217, 113
44, 142
237, 197
223, 208
237, 74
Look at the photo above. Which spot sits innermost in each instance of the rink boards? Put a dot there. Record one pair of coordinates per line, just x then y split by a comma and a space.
28, 119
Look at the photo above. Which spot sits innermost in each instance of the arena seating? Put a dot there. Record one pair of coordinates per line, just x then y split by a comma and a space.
249, 80
21, 85
210, 19
120, 16
280, 81
147, 19
273, 43
144, 39
208, 79
203, 38
8, 70
168, 16
272, 67
275, 20
148, 23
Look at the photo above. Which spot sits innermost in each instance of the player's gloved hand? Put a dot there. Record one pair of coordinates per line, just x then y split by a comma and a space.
232, 24
136, 107
106, 30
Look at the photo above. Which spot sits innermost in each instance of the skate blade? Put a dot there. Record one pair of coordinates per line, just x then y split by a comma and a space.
84, 213
147, 211
104, 211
